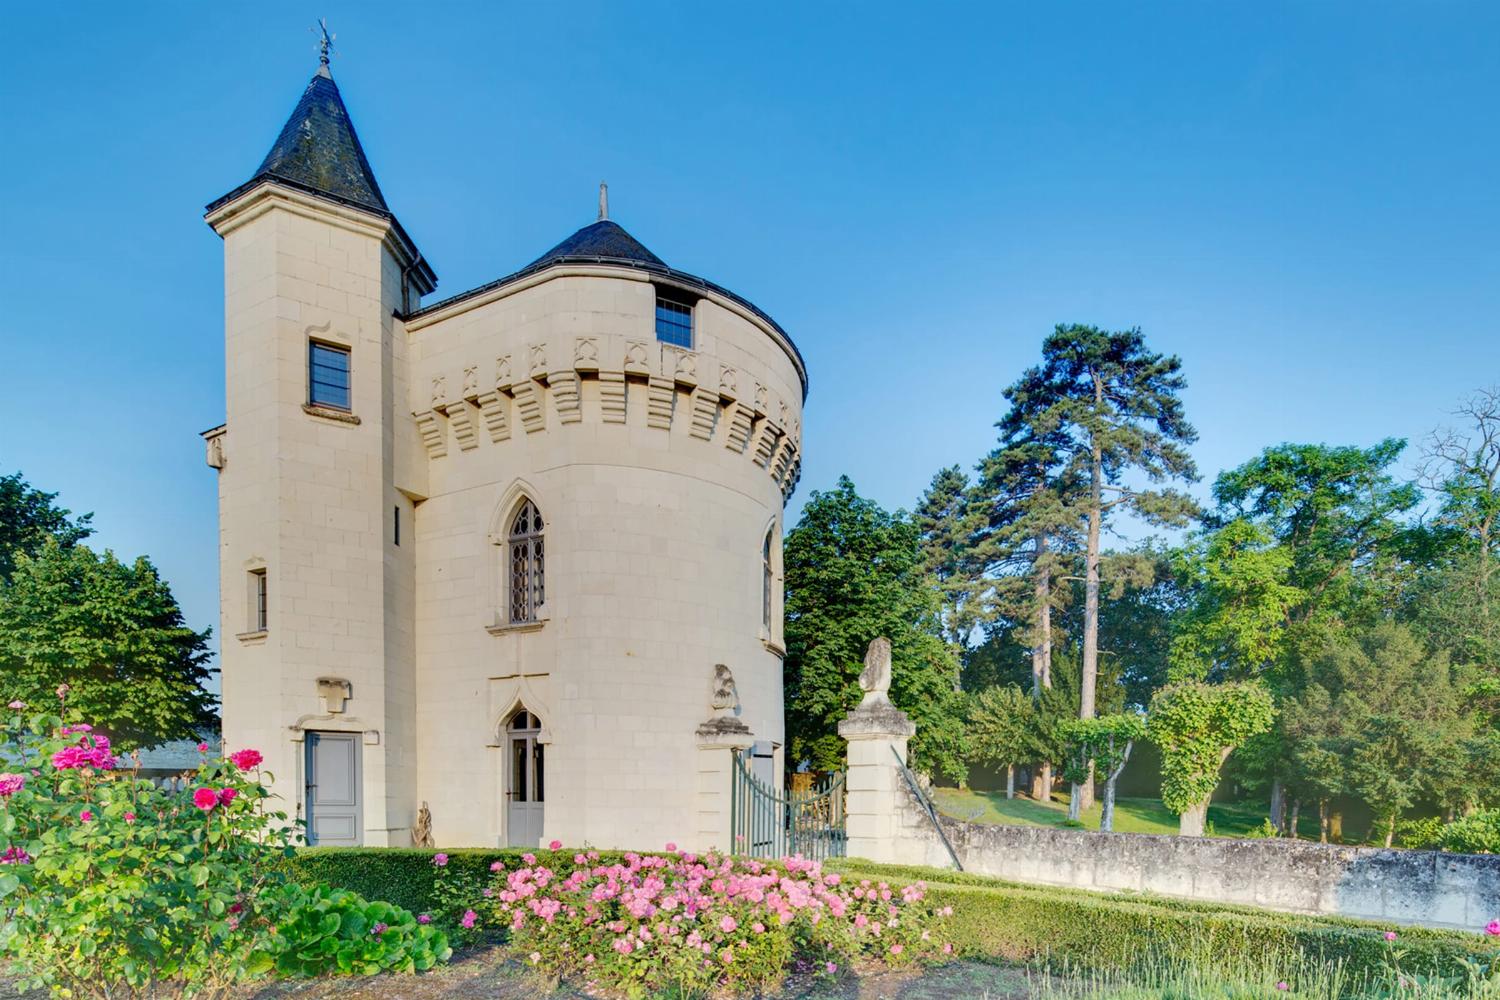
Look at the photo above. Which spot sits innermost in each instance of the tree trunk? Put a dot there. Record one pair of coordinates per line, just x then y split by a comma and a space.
1336, 827
1190, 823
1322, 821
1278, 807
1090, 678
1292, 826
1107, 814
1041, 783
1075, 802
1390, 831
1010, 781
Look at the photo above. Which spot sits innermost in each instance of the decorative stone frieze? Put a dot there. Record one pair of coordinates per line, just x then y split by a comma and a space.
659, 393
564, 387
741, 419
495, 407
766, 436
636, 362
705, 413
586, 354
434, 434
612, 397
528, 396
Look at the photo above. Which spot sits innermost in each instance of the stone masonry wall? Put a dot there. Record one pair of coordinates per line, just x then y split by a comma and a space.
1426, 888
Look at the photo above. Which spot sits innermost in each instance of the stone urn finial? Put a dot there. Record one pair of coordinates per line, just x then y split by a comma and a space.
875, 679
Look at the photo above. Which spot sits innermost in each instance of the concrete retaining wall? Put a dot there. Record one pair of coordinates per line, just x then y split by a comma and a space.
1426, 888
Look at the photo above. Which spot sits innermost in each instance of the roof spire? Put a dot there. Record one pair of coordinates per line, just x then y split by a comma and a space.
325, 47
603, 201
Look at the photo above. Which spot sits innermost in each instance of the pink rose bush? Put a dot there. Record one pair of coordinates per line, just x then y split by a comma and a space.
709, 924
113, 886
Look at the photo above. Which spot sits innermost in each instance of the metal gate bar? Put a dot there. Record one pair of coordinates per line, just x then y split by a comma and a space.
766, 823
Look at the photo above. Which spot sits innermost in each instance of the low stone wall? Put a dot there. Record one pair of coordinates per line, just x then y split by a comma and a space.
1427, 888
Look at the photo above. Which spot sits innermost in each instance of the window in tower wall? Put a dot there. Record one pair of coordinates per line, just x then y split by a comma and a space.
259, 611
674, 322
767, 578
526, 563
328, 375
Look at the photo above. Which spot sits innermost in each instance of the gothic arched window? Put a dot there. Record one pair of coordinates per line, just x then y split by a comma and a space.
525, 562
767, 577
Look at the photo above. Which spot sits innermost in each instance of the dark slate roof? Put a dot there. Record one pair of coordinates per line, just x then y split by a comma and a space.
604, 240
318, 150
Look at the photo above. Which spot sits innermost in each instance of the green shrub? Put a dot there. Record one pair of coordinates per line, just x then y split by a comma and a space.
1420, 834
1475, 834
335, 931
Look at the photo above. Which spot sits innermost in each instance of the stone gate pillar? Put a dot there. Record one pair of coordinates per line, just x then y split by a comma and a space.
722, 736
877, 732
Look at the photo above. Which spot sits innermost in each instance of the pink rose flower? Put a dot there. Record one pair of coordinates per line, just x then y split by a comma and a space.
62, 690
423, 918
15, 856
1282, 985
1492, 928
831, 968
556, 845
468, 919
947, 949
440, 859
10, 784
246, 760
205, 799
130, 817
497, 866
203, 748
671, 847
1390, 935
897, 949
17, 705
226, 795
86, 816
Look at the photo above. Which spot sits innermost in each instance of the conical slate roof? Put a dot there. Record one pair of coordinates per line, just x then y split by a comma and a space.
318, 150
602, 240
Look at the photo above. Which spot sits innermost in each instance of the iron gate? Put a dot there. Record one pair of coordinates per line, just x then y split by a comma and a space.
766, 823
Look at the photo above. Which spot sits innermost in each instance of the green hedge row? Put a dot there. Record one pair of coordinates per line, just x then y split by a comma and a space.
999, 920
1024, 923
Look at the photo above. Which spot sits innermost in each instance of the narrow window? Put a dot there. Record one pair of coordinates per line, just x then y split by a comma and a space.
328, 375
396, 524
526, 562
258, 603
766, 580
674, 322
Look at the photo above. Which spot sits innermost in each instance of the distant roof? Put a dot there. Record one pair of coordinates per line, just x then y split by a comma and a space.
174, 756
604, 240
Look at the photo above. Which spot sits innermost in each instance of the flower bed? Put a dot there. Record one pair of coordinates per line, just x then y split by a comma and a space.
650, 922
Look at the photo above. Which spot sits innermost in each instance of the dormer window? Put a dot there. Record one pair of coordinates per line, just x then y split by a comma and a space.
674, 322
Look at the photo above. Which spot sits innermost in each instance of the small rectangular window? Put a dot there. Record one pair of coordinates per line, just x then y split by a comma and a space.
258, 601
396, 524
674, 323
328, 375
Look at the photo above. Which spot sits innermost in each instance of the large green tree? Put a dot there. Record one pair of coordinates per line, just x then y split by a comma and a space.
853, 572
113, 633
29, 518
1118, 404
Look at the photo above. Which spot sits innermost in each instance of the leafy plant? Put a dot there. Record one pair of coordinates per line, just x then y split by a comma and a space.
1478, 833
325, 931
1197, 726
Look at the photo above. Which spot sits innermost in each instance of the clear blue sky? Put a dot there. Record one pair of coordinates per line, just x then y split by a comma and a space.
1299, 199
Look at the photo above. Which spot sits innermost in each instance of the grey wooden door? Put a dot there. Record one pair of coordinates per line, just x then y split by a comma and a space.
333, 789
526, 781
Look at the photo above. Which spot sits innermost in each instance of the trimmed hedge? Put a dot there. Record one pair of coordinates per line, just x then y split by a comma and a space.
995, 920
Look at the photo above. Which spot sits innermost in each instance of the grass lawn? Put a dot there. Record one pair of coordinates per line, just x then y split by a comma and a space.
1235, 819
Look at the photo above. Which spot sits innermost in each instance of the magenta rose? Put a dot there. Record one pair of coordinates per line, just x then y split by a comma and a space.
246, 760
205, 799
226, 795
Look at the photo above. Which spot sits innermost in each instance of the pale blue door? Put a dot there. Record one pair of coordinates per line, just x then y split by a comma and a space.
333, 789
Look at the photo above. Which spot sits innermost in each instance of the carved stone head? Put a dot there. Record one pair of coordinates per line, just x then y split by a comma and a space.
875, 679
724, 697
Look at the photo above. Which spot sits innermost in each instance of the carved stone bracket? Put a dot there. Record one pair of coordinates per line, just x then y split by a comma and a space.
528, 397
434, 433
659, 402
740, 421
705, 413
612, 397
564, 386
461, 418
495, 407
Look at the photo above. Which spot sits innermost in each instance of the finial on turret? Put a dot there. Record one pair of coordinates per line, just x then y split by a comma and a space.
325, 46
603, 201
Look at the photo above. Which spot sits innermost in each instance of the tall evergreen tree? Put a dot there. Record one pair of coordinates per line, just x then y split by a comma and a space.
946, 524
1117, 408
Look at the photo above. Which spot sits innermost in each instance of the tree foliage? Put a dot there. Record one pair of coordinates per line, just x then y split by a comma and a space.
1197, 726
853, 572
29, 519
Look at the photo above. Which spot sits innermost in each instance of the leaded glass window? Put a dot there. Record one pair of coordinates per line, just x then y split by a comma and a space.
766, 579
674, 323
526, 563
328, 375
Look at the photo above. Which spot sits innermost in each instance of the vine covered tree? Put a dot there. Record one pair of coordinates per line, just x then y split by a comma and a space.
1197, 726
1004, 731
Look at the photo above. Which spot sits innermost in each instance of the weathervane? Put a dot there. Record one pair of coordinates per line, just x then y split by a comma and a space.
325, 44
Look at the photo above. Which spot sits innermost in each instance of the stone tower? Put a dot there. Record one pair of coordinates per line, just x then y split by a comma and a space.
502, 541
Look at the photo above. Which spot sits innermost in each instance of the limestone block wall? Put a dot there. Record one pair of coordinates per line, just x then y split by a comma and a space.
658, 472
1427, 888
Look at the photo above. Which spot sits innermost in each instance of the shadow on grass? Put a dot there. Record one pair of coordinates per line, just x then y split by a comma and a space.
1233, 819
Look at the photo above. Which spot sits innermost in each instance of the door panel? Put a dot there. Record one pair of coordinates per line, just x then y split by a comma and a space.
333, 789
526, 779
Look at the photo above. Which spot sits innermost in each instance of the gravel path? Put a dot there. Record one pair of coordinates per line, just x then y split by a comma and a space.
482, 975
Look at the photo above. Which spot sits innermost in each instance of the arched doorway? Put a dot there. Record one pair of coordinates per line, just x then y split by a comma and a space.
525, 780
